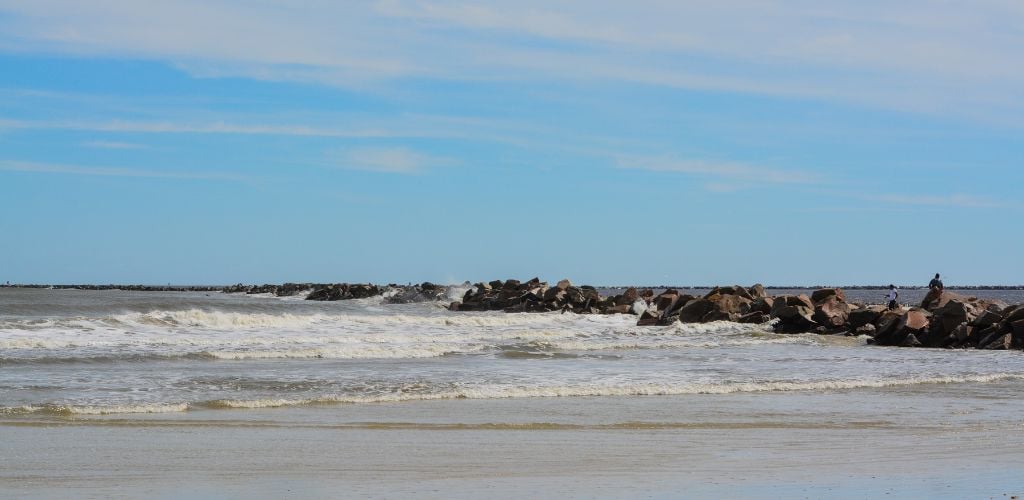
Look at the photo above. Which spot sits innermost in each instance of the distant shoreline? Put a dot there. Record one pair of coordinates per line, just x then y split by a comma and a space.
218, 288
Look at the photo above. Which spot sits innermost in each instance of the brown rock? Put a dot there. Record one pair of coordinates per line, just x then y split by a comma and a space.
824, 293
895, 333
794, 319
910, 341
867, 329
800, 300
1014, 313
987, 318
695, 309
555, 294
762, 304
832, 312
916, 320
717, 315
666, 300
731, 304
575, 296
998, 341
757, 291
864, 316
740, 291
951, 315
1018, 327
938, 298
628, 297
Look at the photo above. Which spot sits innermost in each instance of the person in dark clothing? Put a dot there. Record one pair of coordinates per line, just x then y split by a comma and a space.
936, 283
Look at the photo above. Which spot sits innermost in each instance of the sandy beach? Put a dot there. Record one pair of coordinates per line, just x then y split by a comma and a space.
942, 440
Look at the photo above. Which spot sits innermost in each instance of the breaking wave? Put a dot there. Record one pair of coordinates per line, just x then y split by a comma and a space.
510, 391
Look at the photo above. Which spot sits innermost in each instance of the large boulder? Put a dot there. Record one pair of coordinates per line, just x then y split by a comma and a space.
731, 304
906, 331
738, 290
820, 295
865, 315
832, 312
679, 303
951, 315
998, 340
987, 318
799, 300
935, 299
757, 291
425, 292
719, 315
292, 289
665, 300
695, 310
785, 301
794, 318
762, 304
1013, 313
628, 297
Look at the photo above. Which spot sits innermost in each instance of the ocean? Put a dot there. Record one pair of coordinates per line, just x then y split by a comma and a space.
112, 393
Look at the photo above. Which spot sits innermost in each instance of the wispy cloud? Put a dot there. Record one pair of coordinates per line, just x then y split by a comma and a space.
948, 58
953, 200
57, 168
113, 145
722, 176
167, 127
395, 127
398, 160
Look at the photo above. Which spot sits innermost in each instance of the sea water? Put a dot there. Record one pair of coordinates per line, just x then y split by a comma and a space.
139, 366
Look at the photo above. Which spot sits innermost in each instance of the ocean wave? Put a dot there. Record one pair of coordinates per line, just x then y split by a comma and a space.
230, 320
72, 410
510, 391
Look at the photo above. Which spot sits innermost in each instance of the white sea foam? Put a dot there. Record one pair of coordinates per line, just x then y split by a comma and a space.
237, 336
68, 410
516, 391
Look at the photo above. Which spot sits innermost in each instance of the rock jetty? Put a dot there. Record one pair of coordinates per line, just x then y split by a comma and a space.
943, 320
536, 296
424, 292
392, 294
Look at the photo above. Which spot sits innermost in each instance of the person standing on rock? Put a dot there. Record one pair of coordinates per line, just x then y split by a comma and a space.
892, 296
936, 283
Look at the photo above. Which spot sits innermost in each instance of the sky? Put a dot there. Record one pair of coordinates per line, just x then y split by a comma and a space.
649, 142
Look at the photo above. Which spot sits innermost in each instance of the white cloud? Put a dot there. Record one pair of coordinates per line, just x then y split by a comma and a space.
113, 145
173, 127
56, 168
950, 58
953, 200
724, 176
398, 160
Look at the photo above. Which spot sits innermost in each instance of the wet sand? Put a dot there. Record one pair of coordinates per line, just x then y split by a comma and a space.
943, 440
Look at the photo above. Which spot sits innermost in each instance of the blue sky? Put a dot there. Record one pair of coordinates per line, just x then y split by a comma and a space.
608, 142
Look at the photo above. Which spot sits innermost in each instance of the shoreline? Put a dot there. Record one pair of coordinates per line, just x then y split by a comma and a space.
217, 288
848, 444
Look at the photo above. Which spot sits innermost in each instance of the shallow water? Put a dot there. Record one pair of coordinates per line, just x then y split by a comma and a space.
130, 390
